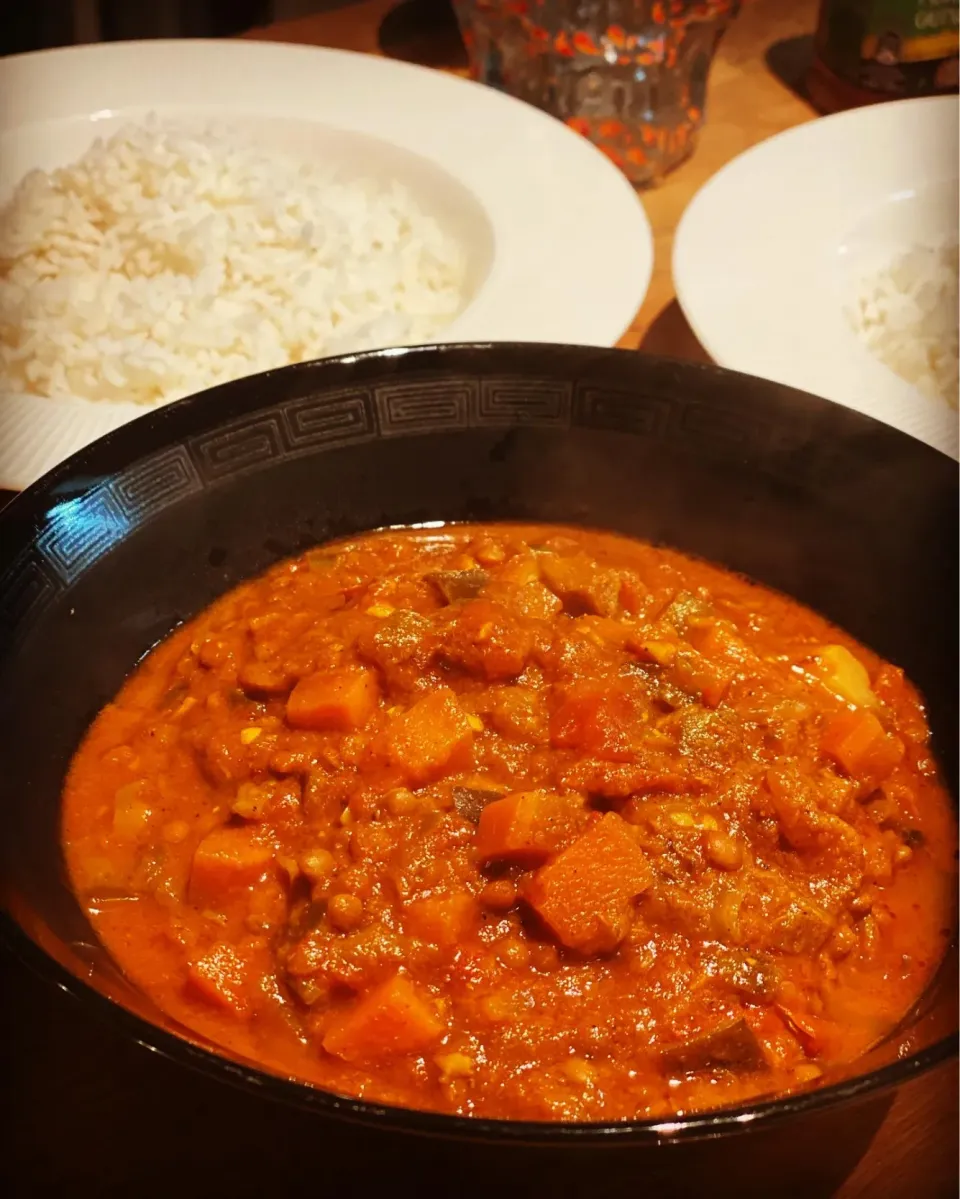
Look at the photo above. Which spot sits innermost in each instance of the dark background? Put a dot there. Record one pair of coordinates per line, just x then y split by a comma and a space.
41, 24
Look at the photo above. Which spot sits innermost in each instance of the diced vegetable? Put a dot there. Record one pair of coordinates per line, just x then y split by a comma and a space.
456, 585
596, 719
812, 1032
752, 975
442, 919
336, 699
516, 712
131, 812
381, 611
527, 827
357, 960
470, 801
686, 609
581, 584
264, 678
454, 1065
500, 894
225, 860
649, 649
529, 598
856, 741
389, 1021
403, 637
697, 676
584, 895
521, 569
801, 927
429, 739
633, 592
485, 638
733, 1047
221, 977
252, 801
845, 676
535, 601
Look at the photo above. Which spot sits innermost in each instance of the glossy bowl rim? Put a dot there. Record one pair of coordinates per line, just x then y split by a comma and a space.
184, 1051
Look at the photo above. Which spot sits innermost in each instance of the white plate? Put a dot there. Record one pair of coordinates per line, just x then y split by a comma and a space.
771, 248
559, 246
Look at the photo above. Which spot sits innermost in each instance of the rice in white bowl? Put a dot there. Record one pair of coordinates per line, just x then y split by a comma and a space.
169, 259
907, 314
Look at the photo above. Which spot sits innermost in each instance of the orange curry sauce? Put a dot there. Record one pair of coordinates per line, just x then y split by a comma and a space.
520, 822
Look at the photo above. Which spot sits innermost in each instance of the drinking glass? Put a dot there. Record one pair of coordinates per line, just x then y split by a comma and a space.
630, 75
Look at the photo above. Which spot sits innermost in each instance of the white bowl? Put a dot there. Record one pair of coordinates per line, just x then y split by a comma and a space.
771, 249
558, 244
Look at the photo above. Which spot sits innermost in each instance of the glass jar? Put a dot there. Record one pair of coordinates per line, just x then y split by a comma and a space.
870, 50
631, 75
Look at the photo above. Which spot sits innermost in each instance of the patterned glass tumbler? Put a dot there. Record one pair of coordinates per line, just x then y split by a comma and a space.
631, 75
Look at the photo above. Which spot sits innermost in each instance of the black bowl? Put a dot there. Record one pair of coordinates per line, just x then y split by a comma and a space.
108, 553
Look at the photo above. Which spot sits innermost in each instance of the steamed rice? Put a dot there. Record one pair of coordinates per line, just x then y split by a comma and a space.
907, 316
166, 260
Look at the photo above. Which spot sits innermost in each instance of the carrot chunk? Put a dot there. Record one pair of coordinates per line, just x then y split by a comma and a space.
334, 699
813, 1033
221, 977
430, 738
858, 744
597, 719
526, 827
388, 1021
442, 919
486, 639
584, 895
224, 861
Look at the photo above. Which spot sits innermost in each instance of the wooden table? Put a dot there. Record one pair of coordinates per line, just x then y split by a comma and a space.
747, 102
90, 1114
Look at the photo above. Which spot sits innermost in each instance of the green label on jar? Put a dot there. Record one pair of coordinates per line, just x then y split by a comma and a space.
902, 47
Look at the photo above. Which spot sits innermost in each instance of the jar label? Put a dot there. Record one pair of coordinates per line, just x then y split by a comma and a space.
901, 47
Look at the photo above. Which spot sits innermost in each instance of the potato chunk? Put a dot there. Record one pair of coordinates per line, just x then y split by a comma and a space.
389, 1021
222, 978
584, 895
527, 827
856, 741
845, 676
430, 739
334, 699
225, 861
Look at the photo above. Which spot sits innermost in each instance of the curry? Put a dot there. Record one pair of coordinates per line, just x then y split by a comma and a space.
518, 822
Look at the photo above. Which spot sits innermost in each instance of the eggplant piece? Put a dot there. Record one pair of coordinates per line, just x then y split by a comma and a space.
456, 585
752, 975
175, 696
732, 1046
470, 801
